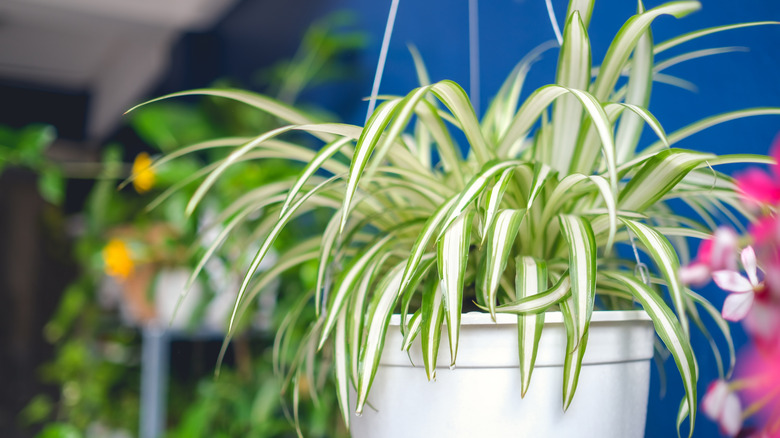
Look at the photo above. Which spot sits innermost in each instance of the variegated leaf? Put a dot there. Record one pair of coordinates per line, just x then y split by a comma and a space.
452, 255
576, 341
501, 237
530, 279
432, 318
665, 257
539, 302
582, 268
351, 277
385, 300
670, 331
573, 72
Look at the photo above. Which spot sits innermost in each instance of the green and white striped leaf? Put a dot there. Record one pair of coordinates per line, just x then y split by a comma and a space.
541, 172
665, 257
582, 268
573, 72
311, 167
501, 238
609, 202
709, 122
494, 196
426, 263
340, 358
385, 300
357, 311
264, 103
448, 150
530, 279
227, 162
412, 330
269, 240
324, 267
658, 176
539, 302
676, 41
423, 239
452, 255
401, 116
576, 341
346, 286
640, 82
724, 328
535, 105
585, 9
671, 333
475, 187
627, 38
432, 318
457, 101
365, 146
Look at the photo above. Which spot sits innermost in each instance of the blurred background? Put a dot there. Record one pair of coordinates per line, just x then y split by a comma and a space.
80, 331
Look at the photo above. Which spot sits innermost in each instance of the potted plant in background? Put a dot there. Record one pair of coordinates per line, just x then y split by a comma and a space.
524, 226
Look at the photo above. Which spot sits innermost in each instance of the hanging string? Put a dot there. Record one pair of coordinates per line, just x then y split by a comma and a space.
380, 68
640, 269
554, 22
474, 53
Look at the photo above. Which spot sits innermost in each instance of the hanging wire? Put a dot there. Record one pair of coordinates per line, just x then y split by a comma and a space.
554, 21
474, 53
380, 68
640, 269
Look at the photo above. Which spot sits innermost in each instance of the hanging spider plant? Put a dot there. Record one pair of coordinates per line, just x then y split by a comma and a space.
525, 221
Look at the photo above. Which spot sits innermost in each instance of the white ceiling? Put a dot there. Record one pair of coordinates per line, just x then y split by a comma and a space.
113, 49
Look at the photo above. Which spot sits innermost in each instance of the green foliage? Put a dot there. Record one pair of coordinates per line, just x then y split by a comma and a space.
96, 353
25, 148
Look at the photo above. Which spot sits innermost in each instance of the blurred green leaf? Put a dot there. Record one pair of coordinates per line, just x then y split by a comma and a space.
51, 185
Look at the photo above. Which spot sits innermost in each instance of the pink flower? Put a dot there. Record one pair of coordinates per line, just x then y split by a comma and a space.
761, 187
766, 235
722, 406
743, 290
716, 253
763, 323
760, 372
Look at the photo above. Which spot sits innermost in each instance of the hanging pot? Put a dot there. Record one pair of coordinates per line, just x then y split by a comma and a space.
480, 397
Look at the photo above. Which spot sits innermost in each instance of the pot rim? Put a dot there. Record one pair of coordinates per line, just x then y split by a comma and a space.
556, 317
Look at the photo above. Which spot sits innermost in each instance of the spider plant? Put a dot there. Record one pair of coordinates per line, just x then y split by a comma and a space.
524, 220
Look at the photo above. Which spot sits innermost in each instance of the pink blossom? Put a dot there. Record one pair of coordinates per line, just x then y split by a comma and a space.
760, 371
743, 289
721, 405
759, 186
763, 323
766, 235
719, 252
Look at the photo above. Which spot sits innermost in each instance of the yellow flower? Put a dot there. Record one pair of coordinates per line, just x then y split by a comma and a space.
117, 259
144, 175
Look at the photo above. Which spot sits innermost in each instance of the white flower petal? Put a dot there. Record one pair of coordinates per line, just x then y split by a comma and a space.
732, 281
749, 263
731, 417
715, 399
737, 306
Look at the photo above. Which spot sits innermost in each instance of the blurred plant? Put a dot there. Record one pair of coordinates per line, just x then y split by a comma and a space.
25, 148
124, 242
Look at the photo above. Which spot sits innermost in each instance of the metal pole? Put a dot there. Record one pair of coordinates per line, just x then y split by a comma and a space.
154, 381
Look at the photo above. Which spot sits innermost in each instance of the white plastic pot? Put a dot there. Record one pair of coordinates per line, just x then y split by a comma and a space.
481, 396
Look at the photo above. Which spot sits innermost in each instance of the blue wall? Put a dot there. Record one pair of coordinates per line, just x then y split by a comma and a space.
509, 29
